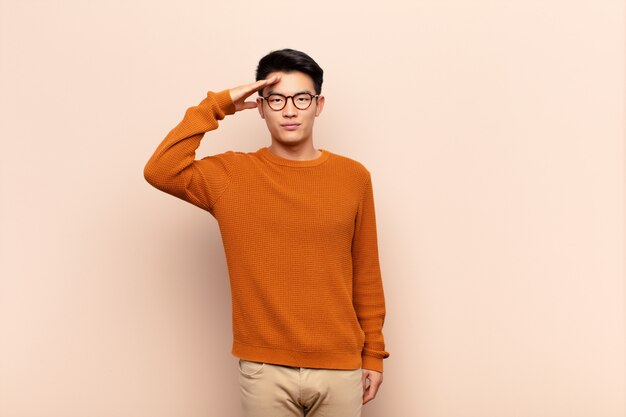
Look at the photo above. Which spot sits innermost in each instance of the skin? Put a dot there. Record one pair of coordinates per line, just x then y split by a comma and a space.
297, 144
375, 379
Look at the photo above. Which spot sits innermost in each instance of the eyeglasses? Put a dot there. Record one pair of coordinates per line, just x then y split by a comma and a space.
302, 101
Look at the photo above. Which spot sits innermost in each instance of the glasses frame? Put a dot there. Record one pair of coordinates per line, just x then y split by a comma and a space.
313, 96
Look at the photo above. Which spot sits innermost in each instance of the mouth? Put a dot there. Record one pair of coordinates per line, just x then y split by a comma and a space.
290, 126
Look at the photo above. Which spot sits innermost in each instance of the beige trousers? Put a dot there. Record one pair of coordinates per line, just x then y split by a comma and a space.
269, 390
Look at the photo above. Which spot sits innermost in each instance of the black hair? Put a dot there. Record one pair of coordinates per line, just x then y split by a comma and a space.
288, 60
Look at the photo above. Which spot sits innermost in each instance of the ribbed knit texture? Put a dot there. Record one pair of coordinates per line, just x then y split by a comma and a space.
300, 244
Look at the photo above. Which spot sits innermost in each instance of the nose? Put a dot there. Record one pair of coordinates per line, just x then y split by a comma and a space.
290, 108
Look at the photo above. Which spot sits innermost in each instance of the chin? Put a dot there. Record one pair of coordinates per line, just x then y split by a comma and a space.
290, 141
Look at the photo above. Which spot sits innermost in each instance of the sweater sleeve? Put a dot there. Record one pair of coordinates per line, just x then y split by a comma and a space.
368, 294
173, 167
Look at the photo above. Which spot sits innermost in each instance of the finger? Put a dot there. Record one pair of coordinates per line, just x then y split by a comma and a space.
249, 105
364, 382
371, 393
374, 387
259, 85
246, 91
367, 396
274, 79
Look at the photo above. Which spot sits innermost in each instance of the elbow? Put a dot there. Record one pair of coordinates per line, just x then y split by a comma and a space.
153, 176
149, 174
160, 178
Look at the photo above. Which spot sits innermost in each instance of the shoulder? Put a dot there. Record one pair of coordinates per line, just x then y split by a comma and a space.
241, 162
351, 165
230, 157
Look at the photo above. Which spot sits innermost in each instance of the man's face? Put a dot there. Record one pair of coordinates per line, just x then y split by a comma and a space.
290, 84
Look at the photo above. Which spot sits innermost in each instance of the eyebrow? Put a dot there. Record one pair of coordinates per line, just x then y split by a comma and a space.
303, 91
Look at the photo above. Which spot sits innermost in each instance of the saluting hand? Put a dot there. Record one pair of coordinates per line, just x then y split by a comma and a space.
239, 94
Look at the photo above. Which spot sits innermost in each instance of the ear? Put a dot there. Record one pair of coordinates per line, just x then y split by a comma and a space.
320, 105
259, 106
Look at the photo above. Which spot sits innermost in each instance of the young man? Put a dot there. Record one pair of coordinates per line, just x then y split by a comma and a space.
299, 234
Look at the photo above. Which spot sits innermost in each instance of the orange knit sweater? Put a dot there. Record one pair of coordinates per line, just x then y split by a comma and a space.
300, 243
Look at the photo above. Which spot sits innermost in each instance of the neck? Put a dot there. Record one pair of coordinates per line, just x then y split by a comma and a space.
301, 151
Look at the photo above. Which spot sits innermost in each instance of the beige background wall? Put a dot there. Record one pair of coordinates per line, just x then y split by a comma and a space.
494, 131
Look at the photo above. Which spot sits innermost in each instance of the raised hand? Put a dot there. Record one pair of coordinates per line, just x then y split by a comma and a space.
240, 93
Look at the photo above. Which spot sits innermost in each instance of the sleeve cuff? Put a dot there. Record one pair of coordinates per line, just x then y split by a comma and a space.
225, 101
371, 363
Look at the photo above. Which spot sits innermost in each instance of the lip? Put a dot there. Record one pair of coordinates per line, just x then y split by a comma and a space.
290, 126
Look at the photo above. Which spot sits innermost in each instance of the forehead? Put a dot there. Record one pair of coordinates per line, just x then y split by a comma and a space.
291, 83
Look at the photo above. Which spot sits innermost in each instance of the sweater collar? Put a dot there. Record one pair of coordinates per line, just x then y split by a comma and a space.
267, 154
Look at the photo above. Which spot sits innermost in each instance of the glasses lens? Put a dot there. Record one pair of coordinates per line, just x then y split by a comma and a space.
302, 101
276, 101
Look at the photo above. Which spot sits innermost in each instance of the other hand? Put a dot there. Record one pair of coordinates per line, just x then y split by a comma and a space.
375, 378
